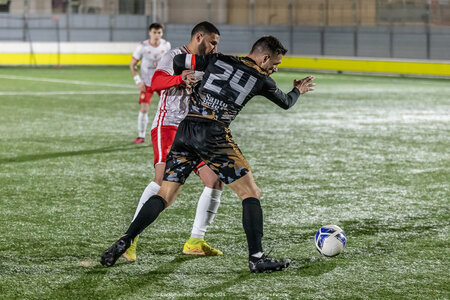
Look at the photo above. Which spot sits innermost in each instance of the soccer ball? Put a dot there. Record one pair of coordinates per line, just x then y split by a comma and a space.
330, 240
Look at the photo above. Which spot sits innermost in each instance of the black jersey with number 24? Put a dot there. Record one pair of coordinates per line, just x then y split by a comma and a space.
228, 84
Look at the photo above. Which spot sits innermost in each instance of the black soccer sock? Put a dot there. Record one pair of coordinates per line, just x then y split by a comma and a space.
252, 219
148, 213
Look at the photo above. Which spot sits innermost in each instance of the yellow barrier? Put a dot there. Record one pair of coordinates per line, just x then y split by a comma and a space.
310, 63
373, 66
65, 59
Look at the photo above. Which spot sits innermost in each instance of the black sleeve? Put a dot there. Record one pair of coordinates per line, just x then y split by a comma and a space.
274, 94
194, 62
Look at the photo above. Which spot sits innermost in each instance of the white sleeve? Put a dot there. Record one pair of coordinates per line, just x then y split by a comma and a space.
137, 54
166, 62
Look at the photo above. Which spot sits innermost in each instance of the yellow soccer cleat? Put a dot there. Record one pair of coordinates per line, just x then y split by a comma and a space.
130, 254
195, 246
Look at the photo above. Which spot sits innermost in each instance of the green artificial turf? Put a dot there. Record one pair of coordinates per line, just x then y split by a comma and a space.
370, 154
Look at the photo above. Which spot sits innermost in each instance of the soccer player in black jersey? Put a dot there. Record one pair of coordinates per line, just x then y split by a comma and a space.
228, 84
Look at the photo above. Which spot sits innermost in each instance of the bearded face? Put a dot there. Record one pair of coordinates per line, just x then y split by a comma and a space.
208, 44
202, 47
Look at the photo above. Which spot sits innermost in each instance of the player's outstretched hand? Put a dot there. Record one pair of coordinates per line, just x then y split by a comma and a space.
141, 87
188, 77
305, 85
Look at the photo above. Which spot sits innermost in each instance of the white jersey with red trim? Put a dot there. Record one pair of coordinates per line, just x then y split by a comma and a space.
150, 57
173, 103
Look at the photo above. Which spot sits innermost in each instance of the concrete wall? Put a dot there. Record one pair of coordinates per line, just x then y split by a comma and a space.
264, 12
365, 41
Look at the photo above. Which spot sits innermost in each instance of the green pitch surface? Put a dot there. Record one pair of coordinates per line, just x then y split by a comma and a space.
370, 154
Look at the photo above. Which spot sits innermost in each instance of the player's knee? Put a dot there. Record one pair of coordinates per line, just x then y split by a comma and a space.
144, 108
217, 185
210, 179
168, 196
254, 191
158, 180
257, 192
159, 173
250, 192
169, 201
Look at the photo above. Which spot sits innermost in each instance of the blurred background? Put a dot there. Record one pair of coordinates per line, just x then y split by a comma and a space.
411, 29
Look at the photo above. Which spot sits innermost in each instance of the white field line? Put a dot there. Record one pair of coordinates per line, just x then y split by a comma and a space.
68, 93
67, 81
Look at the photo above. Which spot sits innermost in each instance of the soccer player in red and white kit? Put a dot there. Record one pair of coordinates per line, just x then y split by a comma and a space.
149, 53
172, 108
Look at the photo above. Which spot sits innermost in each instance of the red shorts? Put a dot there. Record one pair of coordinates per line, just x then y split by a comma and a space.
146, 97
162, 139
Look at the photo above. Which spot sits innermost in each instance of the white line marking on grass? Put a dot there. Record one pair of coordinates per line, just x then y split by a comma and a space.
419, 171
68, 93
67, 81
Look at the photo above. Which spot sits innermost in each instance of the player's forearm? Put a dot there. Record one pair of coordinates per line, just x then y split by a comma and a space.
292, 97
163, 81
179, 63
283, 100
134, 72
183, 62
133, 67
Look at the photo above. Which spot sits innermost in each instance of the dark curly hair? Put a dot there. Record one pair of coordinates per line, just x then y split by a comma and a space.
270, 44
205, 27
156, 26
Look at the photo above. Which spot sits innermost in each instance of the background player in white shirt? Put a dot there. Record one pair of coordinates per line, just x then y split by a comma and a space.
172, 108
149, 53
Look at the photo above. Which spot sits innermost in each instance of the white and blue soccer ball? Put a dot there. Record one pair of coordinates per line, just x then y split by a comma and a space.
330, 240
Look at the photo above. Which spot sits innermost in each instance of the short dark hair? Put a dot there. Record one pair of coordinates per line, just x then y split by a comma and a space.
156, 26
270, 44
204, 27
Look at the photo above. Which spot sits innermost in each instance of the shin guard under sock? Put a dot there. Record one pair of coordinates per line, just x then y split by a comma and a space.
148, 213
252, 220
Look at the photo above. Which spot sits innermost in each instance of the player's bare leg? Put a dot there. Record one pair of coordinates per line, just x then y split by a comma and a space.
252, 220
142, 122
207, 207
169, 191
159, 173
147, 215
245, 187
